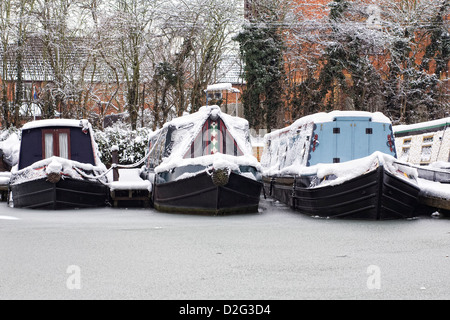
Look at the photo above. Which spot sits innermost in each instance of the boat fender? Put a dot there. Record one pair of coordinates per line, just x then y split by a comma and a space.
53, 177
220, 177
315, 142
390, 143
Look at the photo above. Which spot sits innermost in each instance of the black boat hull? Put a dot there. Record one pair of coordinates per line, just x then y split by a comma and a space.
200, 195
377, 195
67, 193
429, 203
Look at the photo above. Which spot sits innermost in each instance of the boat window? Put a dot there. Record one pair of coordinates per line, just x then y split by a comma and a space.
288, 147
405, 154
213, 138
428, 139
64, 145
156, 148
56, 142
48, 145
426, 154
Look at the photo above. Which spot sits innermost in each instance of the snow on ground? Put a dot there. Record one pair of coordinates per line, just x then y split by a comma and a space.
275, 254
8, 218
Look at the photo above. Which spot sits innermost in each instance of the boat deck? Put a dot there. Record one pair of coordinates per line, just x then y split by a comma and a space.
130, 190
4, 185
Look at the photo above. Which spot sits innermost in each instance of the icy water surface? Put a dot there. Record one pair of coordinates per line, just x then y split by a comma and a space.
275, 254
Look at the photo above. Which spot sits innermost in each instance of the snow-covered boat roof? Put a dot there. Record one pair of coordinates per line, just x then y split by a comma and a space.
323, 117
236, 125
191, 125
204, 113
56, 123
433, 124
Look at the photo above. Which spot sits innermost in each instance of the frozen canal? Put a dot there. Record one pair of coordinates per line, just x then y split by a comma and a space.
276, 254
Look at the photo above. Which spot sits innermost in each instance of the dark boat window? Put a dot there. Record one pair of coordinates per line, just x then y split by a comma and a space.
56, 142
336, 130
213, 138
336, 160
369, 131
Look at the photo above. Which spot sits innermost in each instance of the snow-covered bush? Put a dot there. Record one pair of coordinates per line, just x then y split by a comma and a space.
10, 145
132, 143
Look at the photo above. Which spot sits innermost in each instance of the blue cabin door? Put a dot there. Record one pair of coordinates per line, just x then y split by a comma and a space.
352, 138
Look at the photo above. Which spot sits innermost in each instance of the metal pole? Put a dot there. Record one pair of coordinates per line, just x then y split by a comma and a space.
115, 160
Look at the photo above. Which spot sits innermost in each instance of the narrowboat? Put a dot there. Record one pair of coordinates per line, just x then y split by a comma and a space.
340, 164
426, 146
58, 167
202, 163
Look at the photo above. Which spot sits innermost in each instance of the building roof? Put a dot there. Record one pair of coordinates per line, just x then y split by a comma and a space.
37, 62
230, 70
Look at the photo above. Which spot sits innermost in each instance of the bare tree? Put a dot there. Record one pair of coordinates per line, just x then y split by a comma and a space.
367, 55
204, 30
5, 38
62, 52
127, 45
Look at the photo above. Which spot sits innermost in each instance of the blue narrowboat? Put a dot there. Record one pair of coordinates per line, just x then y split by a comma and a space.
58, 167
202, 163
339, 164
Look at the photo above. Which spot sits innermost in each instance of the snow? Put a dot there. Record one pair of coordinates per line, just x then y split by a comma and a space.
57, 123
217, 161
33, 110
54, 167
221, 87
323, 117
129, 179
351, 169
430, 188
213, 161
190, 125
5, 178
131, 144
67, 167
11, 149
276, 156
8, 218
440, 165
421, 125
